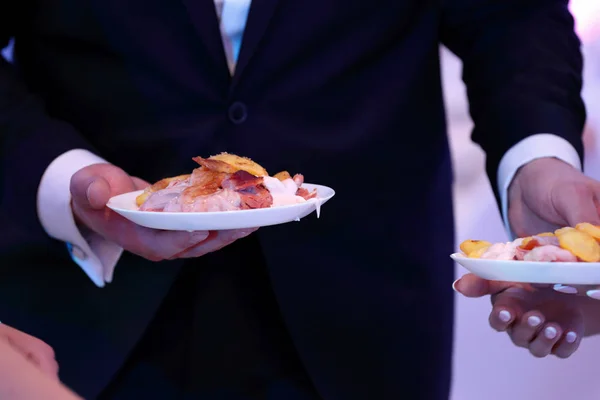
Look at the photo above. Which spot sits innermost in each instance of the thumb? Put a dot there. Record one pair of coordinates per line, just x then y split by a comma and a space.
578, 204
91, 187
470, 285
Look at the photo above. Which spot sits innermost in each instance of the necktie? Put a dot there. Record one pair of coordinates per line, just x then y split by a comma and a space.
233, 21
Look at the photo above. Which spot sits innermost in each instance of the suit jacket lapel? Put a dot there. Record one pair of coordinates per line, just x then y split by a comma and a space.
259, 17
205, 20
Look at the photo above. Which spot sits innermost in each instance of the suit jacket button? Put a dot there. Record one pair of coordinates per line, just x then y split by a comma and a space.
237, 112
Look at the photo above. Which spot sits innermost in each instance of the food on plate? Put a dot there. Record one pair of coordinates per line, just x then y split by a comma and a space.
586, 227
569, 244
473, 246
563, 230
236, 163
581, 244
224, 182
162, 184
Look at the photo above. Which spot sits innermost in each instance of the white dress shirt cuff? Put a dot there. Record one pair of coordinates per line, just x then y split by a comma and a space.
529, 149
96, 256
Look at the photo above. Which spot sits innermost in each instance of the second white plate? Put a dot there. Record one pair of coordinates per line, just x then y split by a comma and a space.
215, 221
573, 273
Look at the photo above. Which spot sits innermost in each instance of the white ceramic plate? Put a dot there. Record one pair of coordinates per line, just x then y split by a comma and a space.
574, 273
215, 221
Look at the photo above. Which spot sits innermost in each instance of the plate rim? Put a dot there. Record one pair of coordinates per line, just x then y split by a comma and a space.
457, 255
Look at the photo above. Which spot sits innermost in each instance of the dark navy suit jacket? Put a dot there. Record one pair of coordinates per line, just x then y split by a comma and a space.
345, 91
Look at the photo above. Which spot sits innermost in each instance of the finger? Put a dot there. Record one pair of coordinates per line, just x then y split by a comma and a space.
545, 340
568, 343
98, 193
93, 186
163, 245
582, 290
139, 183
593, 293
526, 328
541, 285
501, 318
48, 365
91, 193
216, 241
471, 285
508, 307
596, 188
565, 289
35, 350
577, 204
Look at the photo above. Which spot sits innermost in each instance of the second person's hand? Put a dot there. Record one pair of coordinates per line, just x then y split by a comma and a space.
539, 319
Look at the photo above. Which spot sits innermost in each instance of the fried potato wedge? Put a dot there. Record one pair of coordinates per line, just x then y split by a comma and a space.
545, 234
142, 198
592, 230
216, 165
477, 253
162, 184
282, 176
563, 230
469, 246
240, 163
581, 244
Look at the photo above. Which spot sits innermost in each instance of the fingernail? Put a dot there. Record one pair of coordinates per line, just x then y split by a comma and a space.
454, 285
534, 321
93, 202
198, 236
550, 332
594, 294
565, 289
504, 316
88, 194
571, 337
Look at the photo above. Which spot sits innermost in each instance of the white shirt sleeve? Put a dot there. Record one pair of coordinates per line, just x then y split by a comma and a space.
527, 150
95, 255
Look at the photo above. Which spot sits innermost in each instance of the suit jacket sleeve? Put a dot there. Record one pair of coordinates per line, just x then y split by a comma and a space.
39, 155
30, 140
522, 68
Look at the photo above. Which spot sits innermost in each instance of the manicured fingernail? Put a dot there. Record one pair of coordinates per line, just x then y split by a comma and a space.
594, 294
504, 316
571, 337
565, 289
534, 321
454, 285
550, 332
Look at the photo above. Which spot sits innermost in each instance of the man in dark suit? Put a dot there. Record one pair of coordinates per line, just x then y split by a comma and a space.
355, 305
